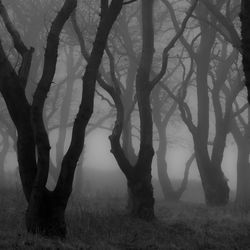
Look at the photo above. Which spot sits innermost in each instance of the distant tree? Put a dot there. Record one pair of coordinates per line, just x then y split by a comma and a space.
240, 129
46, 209
201, 50
161, 118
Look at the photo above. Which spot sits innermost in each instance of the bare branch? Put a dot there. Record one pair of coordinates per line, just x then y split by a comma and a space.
130, 1
236, 41
18, 43
188, 47
105, 99
171, 45
19, 46
240, 110
86, 55
50, 59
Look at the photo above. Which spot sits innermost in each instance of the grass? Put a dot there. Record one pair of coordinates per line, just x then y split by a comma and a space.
102, 223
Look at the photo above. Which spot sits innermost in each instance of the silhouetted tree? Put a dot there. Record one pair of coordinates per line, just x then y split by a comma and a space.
46, 209
138, 174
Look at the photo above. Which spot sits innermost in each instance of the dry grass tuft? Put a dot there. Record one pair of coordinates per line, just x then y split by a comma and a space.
102, 223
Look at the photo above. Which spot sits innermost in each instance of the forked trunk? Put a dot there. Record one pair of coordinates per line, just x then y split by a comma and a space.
141, 199
46, 214
169, 192
215, 186
166, 186
216, 192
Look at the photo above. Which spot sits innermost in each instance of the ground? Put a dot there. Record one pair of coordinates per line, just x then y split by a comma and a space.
102, 223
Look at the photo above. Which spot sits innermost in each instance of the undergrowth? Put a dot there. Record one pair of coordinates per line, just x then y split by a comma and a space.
102, 223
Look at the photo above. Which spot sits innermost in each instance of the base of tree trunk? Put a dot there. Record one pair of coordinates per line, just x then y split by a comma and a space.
141, 200
44, 217
243, 205
172, 197
217, 194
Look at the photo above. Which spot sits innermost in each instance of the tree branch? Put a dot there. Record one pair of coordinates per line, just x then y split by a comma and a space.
236, 41
19, 46
130, 1
50, 59
171, 45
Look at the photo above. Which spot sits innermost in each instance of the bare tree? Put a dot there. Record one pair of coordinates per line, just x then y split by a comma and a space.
161, 118
200, 50
46, 209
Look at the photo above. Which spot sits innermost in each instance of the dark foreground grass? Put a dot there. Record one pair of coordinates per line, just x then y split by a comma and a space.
96, 223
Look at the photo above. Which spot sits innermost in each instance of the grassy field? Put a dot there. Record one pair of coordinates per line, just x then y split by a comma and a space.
102, 223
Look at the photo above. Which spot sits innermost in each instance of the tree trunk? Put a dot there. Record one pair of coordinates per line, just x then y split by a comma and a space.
166, 185
3, 154
141, 199
46, 215
78, 180
141, 188
170, 194
214, 183
245, 34
216, 189
243, 175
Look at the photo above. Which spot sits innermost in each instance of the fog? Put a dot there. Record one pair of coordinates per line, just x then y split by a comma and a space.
64, 96
124, 124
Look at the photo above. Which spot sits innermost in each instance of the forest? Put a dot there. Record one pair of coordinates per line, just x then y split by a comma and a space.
125, 124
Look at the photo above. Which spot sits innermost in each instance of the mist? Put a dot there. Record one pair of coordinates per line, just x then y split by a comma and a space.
140, 107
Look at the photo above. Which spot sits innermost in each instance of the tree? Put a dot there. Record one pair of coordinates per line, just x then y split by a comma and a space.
161, 120
46, 209
240, 132
213, 180
245, 42
138, 172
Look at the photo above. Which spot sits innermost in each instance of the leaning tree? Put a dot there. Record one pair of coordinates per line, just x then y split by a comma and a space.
46, 209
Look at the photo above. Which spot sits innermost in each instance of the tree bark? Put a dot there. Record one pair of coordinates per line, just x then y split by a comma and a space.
28, 120
170, 194
245, 42
140, 186
65, 180
243, 175
214, 183
242, 199
3, 153
46, 214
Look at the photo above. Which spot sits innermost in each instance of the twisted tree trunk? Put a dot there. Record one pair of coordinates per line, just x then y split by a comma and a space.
46, 209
